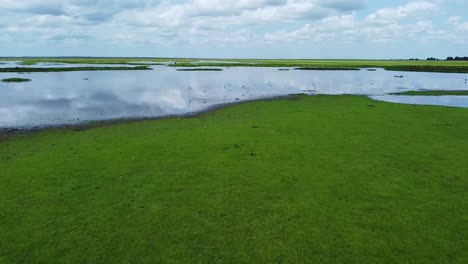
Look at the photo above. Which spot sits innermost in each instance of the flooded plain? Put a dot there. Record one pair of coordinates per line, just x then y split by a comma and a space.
73, 97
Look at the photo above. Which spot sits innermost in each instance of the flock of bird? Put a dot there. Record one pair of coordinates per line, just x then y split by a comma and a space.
246, 92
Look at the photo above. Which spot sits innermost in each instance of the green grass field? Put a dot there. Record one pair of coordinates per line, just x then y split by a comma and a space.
400, 65
322, 179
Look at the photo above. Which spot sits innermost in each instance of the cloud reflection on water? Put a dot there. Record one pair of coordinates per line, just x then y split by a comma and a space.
67, 98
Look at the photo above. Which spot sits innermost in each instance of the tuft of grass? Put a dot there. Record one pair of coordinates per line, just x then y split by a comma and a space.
433, 92
326, 179
69, 69
16, 80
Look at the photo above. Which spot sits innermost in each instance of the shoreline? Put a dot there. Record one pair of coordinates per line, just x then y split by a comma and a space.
85, 125
7, 132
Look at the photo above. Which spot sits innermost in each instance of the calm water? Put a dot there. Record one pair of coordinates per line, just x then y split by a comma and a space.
446, 100
74, 97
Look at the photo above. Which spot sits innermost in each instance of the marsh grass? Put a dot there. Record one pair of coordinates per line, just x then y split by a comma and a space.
317, 179
16, 80
399, 65
69, 69
428, 68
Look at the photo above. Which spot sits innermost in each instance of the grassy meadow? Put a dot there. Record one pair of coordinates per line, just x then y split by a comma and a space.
316, 179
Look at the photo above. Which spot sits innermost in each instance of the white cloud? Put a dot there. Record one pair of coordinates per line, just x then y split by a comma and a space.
411, 10
236, 23
457, 22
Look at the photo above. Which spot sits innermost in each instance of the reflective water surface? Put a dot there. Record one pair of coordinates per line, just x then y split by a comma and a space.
446, 100
73, 97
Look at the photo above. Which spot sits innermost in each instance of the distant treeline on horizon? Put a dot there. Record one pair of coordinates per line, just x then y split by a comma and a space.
448, 58
457, 58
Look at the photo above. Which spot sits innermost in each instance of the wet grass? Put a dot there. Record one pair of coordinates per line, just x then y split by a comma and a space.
429, 68
321, 179
16, 80
69, 69
434, 93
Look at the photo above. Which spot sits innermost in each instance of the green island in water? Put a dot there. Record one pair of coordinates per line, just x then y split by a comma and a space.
69, 69
10, 80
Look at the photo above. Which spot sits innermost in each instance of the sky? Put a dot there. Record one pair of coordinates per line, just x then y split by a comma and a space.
305, 29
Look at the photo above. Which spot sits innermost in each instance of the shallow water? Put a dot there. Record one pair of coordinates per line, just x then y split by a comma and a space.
446, 100
73, 97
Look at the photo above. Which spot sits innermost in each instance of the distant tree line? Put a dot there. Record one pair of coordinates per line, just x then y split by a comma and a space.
457, 58
429, 59
448, 58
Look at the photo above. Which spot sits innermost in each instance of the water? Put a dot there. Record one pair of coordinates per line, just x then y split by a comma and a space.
446, 100
74, 97
9, 64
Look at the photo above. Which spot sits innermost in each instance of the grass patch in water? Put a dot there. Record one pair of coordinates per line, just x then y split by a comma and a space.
16, 80
428, 68
433, 93
69, 69
327, 179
